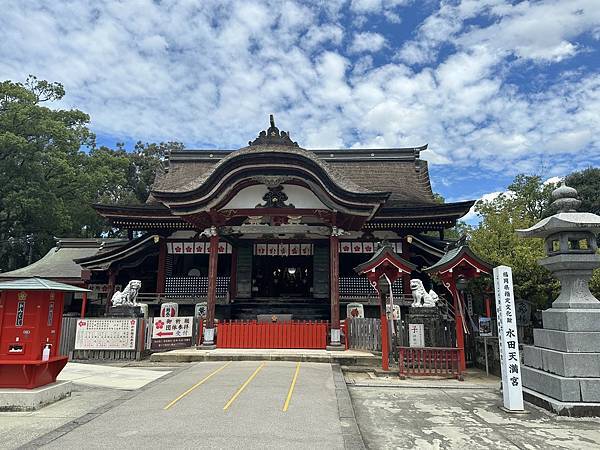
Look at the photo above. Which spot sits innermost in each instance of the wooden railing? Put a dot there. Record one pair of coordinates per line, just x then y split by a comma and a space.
429, 361
253, 334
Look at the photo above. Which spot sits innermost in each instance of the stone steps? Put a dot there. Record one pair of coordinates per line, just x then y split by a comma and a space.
348, 357
302, 309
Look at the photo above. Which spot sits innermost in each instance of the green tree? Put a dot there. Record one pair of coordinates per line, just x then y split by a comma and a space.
146, 161
48, 183
530, 197
496, 241
587, 183
40, 168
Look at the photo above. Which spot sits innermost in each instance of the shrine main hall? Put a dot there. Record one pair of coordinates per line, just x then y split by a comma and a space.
271, 228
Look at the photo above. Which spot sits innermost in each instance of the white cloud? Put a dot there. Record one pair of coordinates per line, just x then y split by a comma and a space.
540, 31
376, 6
553, 180
367, 42
472, 218
366, 6
208, 73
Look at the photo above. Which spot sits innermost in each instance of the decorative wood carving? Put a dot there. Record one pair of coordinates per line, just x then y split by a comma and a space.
275, 198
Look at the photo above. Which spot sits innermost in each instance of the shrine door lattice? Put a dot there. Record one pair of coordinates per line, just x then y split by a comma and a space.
253, 334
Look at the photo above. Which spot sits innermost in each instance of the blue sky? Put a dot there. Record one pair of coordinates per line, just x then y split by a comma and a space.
494, 87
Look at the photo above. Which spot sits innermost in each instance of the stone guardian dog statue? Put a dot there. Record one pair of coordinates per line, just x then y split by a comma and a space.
422, 298
128, 297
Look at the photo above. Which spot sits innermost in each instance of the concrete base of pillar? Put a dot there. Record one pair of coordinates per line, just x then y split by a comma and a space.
335, 348
207, 347
33, 399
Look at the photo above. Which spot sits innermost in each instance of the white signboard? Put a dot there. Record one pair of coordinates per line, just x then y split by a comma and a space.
512, 389
106, 334
172, 332
416, 335
355, 311
165, 327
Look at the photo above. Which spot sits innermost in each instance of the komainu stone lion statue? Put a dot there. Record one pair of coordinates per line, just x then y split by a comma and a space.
422, 298
128, 296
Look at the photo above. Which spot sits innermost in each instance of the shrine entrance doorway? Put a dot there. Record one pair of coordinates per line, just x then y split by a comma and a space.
282, 276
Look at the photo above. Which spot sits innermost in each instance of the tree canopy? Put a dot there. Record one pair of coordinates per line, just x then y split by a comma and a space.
524, 204
51, 172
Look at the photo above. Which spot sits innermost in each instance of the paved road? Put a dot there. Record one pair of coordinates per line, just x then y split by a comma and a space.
222, 405
391, 418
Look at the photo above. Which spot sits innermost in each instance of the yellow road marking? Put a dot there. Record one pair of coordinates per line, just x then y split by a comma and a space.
291, 391
196, 385
242, 387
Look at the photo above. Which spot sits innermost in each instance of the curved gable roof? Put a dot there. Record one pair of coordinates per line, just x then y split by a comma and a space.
175, 184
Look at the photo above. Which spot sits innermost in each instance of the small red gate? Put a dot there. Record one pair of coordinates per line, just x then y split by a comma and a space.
429, 361
253, 334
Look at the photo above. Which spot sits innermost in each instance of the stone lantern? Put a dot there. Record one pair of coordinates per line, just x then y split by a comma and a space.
562, 368
570, 243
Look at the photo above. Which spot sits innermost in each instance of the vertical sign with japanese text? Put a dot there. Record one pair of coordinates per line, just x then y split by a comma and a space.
512, 389
20, 314
416, 335
50, 313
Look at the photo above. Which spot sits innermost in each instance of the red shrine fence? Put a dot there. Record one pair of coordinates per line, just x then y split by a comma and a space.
429, 361
289, 334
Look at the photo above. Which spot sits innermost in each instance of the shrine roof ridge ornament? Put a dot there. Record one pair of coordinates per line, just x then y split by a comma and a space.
272, 136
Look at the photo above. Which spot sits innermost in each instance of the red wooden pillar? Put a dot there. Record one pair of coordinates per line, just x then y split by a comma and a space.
460, 336
83, 304
161, 268
488, 306
334, 288
385, 350
209, 328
